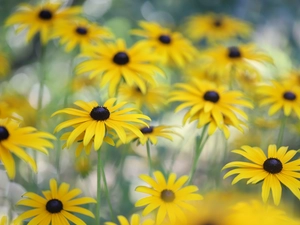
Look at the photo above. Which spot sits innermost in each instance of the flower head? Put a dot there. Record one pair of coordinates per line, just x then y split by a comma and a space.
41, 18
168, 196
274, 170
14, 138
135, 220
56, 206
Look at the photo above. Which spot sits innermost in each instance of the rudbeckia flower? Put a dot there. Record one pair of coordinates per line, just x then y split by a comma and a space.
79, 32
41, 18
274, 170
285, 96
168, 196
56, 206
4, 221
216, 27
172, 47
135, 220
14, 138
93, 121
115, 63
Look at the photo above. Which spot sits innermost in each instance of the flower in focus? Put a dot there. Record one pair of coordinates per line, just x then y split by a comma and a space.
284, 96
93, 121
272, 170
56, 206
14, 138
135, 220
41, 18
5, 65
79, 32
172, 47
114, 62
216, 27
168, 196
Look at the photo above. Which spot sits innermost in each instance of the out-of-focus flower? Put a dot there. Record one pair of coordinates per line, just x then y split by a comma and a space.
284, 96
115, 63
135, 220
92, 121
292, 77
5, 65
168, 196
172, 47
4, 221
40, 19
79, 32
56, 206
14, 138
81, 82
216, 27
272, 170
83, 166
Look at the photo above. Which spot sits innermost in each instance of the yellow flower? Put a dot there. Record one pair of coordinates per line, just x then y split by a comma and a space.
135, 220
172, 47
169, 197
40, 18
272, 170
115, 63
92, 121
56, 206
13, 138
216, 27
284, 96
292, 78
5, 65
4, 221
83, 166
79, 32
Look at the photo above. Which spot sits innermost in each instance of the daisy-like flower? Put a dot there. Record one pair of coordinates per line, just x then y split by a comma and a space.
83, 166
93, 121
14, 138
41, 18
56, 206
284, 96
210, 102
172, 47
115, 63
5, 65
79, 32
135, 220
274, 169
169, 197
216, 27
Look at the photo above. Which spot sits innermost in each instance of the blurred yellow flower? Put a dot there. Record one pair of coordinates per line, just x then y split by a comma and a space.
5, 65
83, 166
135, 220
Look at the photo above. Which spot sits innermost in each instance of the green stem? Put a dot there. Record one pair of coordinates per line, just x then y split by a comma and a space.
149, 157
281, 131
107, 193
98, 188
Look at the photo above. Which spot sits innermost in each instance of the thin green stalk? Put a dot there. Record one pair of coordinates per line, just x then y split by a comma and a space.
149, 157
98, 188
281, 131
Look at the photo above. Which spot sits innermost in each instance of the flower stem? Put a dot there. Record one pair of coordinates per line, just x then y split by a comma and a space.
281, 131
98, 188
149, 158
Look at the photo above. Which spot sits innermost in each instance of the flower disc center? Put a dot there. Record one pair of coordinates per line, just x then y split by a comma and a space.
167, 195
272, 165
100, 113
3, 133
121, 58
147, 130
45, 14
218, 22
234, 52
165, 39
211, 96
54, 206
81, 30
288, 95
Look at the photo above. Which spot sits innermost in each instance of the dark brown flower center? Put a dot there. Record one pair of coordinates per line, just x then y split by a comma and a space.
288, 95
211, 96
218, 22
54, 206
45, 14
121, 58
81, 30
147, 130
100, 113
272, 165
165, 39
167, 195
3, 133
234, 52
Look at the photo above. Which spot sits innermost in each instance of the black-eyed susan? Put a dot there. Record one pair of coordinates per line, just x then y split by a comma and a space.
285, 96
115, 63
56, 206
83, 166
40, 18
208, 101
14, 138
168, 196
172, 47
5, 65
216, 27
92, 122
135, 220
79, 32
274, 170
